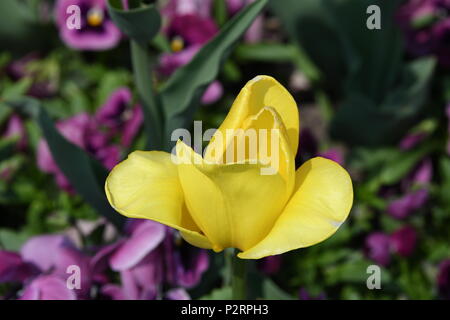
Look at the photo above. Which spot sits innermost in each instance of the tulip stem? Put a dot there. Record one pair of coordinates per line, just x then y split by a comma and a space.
142, 69
238, 277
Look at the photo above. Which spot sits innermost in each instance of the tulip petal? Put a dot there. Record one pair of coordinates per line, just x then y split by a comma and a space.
260, 92
146, 186
321, 202
234, 204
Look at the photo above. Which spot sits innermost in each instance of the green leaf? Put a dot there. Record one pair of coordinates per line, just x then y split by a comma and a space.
360, 120
266, 52
272, 292
307, 21
219, 294
181, 95
140, 22
220, 11
85, 174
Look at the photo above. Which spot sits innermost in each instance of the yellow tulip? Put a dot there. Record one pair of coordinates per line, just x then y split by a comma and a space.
230, 203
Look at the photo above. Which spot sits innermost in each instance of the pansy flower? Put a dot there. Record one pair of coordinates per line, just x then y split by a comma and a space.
97, 32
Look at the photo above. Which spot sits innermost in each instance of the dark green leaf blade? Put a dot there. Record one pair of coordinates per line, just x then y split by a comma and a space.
140, 23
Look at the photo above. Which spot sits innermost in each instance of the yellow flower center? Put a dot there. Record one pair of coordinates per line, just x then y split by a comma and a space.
177, 44
95, 17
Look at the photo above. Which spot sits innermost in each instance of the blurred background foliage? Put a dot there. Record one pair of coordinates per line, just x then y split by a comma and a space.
376, 101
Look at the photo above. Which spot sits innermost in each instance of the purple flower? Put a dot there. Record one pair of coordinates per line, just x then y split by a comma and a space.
188, 30
185, 263
16, 129
110, 114
270, 265
117, 116
426, 24
213, 93
139, 259
53, 254
377, 248
379, 245
97, 31
148, 257
411, 140
403, 206
131, 126
443, 279
403, 241
48, 287
415, 188
191, 29
14, 269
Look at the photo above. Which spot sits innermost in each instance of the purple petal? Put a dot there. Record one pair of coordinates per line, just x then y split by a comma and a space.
55, 253
235, 5
115, 292
100, 260
41, 250
132, 126
404, 206
377, 248
129, 285
44, 157
254, 33
424, 173
13, 269
412, 140
403, 241
143, 240
109, 156
333, 154
15, 128
149, 273
169, 62
48, 287
185, 264
177, 294
110, 114
212, 93
270, 265
182, 7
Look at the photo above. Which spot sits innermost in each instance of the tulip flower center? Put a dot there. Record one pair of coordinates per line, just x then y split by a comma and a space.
177, 44
95, 17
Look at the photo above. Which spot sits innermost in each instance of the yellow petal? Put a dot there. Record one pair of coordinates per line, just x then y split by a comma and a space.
146, 186
260, 92
234, 204
321, 202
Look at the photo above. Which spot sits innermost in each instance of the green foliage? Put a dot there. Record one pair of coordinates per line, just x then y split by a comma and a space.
381, 97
